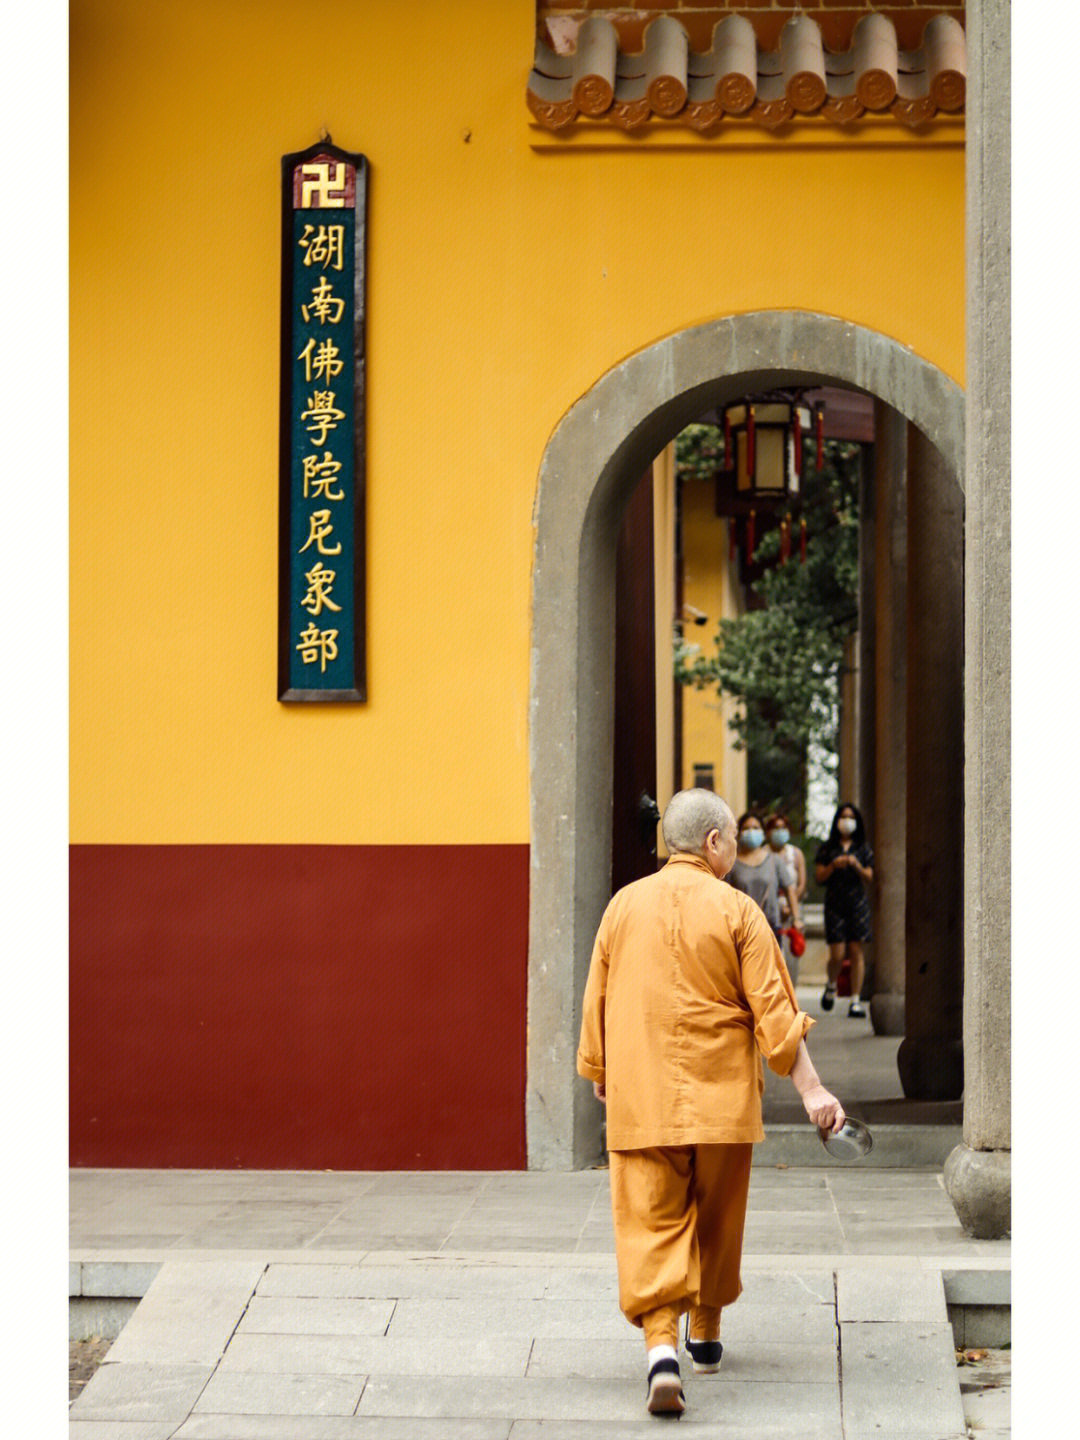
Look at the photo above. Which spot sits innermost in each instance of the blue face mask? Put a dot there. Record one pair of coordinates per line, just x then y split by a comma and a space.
751, 839
779, 838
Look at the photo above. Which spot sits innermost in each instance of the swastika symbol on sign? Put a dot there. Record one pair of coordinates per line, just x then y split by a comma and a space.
320, 189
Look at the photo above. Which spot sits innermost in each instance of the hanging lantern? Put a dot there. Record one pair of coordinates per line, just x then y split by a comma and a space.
802, 540
750, 538
785, 538
765, 446
819, 425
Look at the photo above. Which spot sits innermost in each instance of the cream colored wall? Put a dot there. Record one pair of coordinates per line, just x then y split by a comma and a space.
734, 761
507, 272
664, 591
710, 587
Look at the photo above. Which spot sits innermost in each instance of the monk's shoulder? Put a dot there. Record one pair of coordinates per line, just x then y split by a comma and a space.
721, 902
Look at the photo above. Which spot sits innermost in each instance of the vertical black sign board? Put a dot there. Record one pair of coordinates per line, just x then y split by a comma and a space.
321, 589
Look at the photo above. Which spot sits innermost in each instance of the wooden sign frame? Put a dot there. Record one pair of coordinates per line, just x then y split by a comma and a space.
322, 621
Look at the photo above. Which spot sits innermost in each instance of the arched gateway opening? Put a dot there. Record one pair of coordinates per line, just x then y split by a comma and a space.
593, 461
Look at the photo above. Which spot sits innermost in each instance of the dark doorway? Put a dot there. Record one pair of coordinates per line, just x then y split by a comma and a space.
634, 815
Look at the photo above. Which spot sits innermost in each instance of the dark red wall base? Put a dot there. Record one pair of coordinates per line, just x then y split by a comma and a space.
298, 1006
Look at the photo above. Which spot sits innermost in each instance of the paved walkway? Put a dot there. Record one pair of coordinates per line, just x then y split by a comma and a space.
320, 1306
316, 1306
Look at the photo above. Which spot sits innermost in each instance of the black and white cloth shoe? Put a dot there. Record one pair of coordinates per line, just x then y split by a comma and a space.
828, 997
665, 1388
706, 1355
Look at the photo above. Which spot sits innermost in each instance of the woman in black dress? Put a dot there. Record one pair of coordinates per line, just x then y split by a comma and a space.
845, 866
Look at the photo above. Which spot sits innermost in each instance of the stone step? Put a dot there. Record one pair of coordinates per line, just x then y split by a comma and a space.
898, 1373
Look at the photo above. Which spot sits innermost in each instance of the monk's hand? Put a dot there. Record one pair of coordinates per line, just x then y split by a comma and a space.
823, 1108
600, 1091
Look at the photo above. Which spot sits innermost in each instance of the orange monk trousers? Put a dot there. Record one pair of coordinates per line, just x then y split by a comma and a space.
679, 1213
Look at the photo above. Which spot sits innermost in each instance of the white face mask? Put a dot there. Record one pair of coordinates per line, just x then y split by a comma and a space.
846, 826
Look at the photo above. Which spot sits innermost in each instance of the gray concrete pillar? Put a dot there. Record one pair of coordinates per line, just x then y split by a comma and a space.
889, 836
848, 732
931, 1056
865, 718
978, 1172
865, 645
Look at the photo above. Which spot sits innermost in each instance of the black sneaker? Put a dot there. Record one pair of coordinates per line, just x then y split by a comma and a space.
857, 1010
665, 1389
828, 997
706, 1355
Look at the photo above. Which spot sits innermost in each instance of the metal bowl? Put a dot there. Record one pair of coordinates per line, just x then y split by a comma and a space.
851, 1142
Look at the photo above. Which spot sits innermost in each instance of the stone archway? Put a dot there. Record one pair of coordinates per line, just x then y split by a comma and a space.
592, 461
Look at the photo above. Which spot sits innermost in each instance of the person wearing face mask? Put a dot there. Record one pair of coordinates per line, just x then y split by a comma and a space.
845, 866
760, 872
778, 838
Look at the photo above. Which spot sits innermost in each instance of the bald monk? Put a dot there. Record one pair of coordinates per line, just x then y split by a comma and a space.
686, 989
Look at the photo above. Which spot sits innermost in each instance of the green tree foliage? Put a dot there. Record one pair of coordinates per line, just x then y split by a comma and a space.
781, 660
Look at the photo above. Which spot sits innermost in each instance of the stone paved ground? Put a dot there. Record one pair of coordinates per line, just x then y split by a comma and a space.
483, 1307
511, 1347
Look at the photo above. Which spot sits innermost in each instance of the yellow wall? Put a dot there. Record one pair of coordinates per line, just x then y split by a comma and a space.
505, 277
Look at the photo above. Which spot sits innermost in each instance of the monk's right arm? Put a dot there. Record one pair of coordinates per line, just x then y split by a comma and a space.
820, 1104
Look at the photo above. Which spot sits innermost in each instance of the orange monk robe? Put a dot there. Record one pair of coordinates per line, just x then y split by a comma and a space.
687, 989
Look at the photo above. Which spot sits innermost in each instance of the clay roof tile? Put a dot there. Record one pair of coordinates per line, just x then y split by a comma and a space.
594, 65
668, 80
666, 50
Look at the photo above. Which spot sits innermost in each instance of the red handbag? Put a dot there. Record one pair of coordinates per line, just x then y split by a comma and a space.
797, 941
843, 980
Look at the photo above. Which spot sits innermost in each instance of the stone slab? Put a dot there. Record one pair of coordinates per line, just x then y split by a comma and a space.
351, 1238
105, 1243
88, 1316
188, 1314
977, 1287
808, 1324
376, 1355
445, 1281
900, 1378
599, 1286
918, 1433
433, 1182
824, 1428
118, 1278
493, 1242
890, 1295
580, 1319
121, 1429
141, 1392
759, 1404
315, 1316
590, 1243
777, 1362
988, 1326
814, 1288
238, 1393
337, 1427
